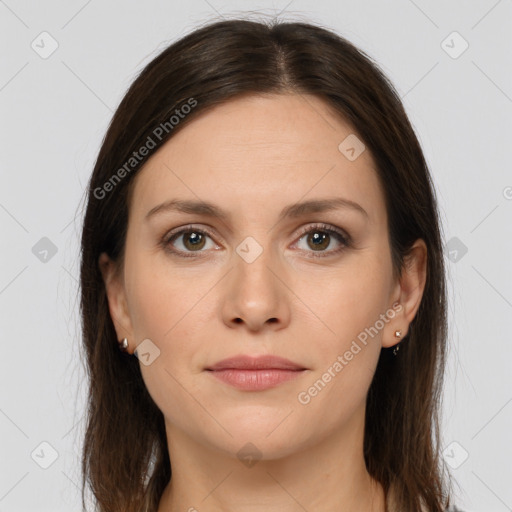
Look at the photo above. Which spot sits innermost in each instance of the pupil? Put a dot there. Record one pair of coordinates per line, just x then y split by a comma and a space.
194, 237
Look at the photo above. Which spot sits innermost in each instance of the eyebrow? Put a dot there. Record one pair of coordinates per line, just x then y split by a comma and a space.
292, 211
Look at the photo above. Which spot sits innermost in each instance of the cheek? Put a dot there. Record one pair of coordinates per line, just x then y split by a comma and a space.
166, 308
346, 301
161, 297
348, 350
173, 309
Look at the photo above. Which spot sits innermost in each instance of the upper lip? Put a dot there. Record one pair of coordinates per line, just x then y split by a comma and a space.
264, 362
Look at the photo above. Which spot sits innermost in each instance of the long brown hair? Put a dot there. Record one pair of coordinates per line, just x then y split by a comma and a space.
125, 456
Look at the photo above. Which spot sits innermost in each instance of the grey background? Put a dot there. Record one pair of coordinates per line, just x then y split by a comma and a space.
54, 113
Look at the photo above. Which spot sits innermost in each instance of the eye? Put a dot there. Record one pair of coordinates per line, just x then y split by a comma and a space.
188, 240
320, 237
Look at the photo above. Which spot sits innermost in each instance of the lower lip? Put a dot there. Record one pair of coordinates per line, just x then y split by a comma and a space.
256, 380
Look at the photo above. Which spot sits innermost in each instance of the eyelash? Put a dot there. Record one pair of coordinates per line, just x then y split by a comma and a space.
342, 237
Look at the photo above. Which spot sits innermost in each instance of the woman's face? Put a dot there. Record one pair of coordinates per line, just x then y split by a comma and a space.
269, 277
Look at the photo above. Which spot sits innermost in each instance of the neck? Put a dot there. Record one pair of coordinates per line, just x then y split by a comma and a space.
330, 476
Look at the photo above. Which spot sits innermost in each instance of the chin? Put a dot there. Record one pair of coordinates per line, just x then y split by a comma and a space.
265, 435
247, 447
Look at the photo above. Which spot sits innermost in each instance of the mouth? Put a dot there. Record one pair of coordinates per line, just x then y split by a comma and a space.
255, 373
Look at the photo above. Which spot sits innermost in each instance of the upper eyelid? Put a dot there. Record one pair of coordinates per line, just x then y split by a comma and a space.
323, 226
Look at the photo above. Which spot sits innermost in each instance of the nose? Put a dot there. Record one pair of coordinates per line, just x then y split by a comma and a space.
256, 294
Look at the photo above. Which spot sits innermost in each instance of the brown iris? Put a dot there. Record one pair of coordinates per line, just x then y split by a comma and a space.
195, 239
320, 240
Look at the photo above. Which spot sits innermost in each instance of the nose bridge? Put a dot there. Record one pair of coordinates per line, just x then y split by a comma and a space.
253, 262
256, 294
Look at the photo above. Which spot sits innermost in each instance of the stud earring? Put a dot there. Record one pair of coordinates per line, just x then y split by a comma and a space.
398, 334
123, 345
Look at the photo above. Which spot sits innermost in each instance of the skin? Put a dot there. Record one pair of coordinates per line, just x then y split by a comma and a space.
253, 156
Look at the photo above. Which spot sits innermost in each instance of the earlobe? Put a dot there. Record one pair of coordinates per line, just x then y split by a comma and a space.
116, 297
410, 292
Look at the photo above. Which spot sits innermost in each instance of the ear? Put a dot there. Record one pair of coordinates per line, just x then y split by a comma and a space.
408, 293
116, 296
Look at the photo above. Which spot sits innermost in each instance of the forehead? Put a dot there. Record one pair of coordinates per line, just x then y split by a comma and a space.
255, 154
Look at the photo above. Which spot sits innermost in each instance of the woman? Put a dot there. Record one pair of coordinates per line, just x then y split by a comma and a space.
263, 289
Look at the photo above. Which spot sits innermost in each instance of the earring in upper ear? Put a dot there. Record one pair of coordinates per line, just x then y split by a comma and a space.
398, 334
123, 345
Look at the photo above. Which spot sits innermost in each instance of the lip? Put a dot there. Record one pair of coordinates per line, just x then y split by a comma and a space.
256, 373
265, 362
